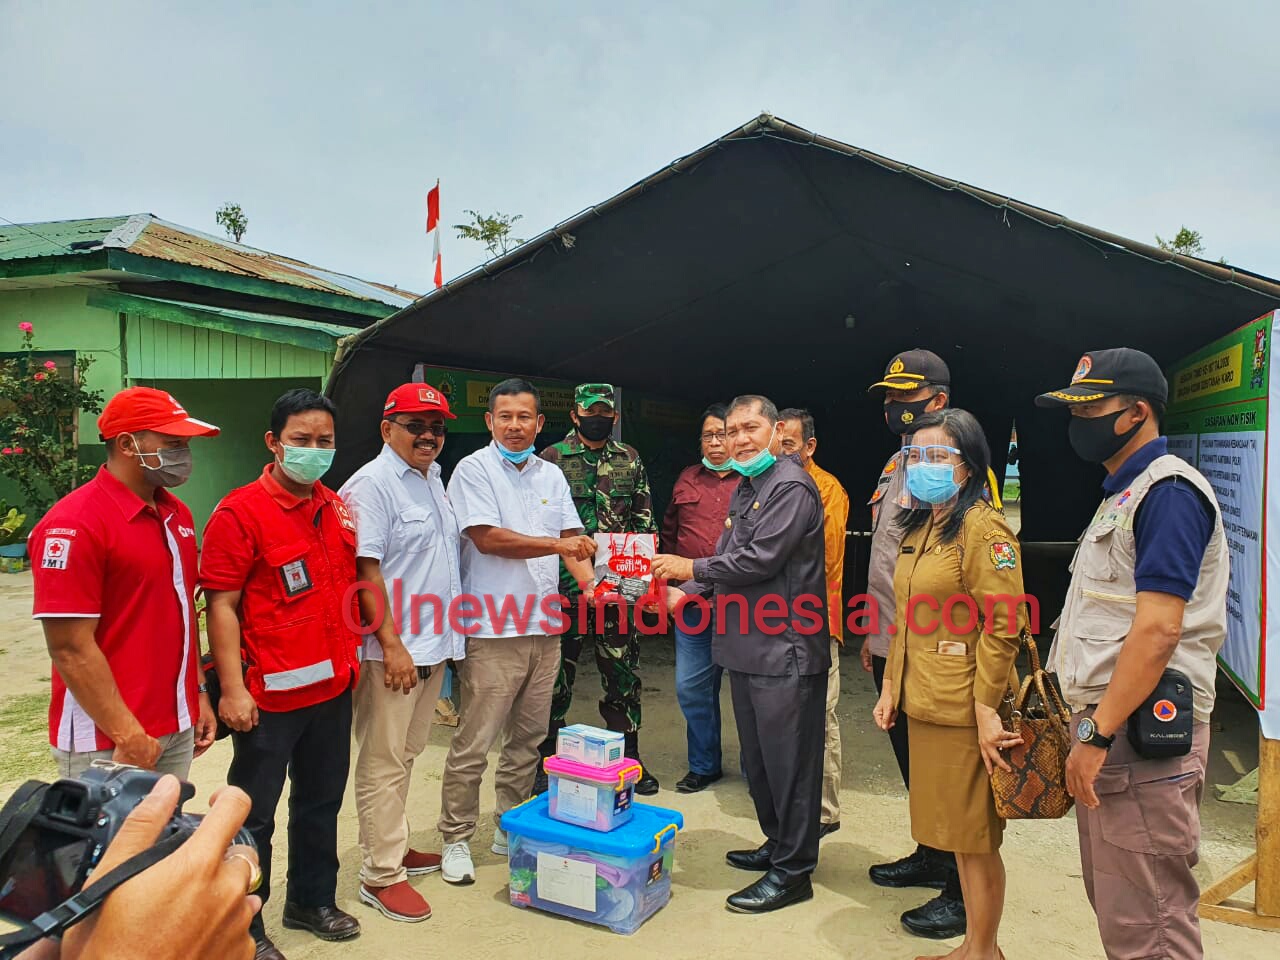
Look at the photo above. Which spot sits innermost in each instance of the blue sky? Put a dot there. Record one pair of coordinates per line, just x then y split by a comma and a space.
329, 121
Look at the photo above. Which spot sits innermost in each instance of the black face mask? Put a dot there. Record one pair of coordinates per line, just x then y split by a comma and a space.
596, 428
901, 417
1094, 438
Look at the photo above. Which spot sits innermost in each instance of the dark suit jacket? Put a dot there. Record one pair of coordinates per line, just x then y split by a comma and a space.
773, 548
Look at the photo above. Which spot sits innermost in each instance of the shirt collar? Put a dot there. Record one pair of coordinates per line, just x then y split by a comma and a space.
1139, 461
279, 494
400, 466
128, 502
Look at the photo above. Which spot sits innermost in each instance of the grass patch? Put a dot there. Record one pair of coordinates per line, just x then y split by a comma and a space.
24, 738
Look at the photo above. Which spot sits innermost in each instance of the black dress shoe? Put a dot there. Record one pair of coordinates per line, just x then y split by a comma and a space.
264, 949
939, 919
924, 868
827, 828
327, 923
693, 782
647, 785
757, 860
770, 892
540, 784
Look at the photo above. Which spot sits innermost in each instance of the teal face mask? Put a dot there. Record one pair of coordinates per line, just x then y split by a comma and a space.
723, 468
305, 464
514, 456
761, 462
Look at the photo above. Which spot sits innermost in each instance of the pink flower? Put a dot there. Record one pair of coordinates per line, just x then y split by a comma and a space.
18, 450
50, 365
7, 450
25, 327
41, 376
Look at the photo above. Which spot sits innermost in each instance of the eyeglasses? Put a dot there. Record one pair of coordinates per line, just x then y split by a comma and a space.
418, 428
933, 453
711, 437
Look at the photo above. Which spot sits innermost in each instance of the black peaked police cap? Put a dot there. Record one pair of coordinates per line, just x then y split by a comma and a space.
1106, 373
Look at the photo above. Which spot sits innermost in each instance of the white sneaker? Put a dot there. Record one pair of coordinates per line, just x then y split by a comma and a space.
499, 842
456, 865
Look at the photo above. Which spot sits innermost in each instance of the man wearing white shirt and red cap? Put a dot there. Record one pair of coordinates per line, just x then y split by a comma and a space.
114, 565
406, 548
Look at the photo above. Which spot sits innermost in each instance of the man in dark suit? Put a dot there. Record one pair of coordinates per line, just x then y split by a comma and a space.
767, 580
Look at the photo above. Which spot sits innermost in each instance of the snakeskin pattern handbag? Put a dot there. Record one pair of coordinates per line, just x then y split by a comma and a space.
1036, 789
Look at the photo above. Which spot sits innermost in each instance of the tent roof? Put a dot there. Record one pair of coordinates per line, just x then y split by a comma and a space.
775, 260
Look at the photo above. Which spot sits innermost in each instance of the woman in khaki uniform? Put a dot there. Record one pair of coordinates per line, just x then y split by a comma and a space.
952, 659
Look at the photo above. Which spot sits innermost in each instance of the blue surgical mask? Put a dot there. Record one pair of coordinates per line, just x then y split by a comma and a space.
305, 464
761, 462
513, 456
723, 468
932, 482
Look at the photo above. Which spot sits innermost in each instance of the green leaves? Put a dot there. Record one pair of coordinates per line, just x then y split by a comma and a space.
232, 219
494, 232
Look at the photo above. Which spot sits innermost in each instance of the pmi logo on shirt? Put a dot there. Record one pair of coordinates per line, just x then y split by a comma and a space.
56, 552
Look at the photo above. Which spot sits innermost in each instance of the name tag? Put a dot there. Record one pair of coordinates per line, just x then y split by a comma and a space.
296, 577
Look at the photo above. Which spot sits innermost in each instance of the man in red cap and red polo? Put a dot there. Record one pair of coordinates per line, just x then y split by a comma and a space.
407, 561
115, 573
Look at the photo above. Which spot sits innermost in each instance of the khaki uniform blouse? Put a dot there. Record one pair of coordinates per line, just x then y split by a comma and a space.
944, 657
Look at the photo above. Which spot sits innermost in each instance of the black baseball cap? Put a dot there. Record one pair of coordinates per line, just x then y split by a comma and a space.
1106, 373
912, 369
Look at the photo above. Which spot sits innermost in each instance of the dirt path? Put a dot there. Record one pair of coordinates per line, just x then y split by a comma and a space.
1046, 915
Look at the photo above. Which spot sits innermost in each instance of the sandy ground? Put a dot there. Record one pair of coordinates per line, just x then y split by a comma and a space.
1046, 913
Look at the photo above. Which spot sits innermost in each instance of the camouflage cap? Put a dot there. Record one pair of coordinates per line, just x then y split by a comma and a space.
585, 394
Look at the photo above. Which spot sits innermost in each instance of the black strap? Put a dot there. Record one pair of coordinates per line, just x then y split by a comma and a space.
20, 810
72, 911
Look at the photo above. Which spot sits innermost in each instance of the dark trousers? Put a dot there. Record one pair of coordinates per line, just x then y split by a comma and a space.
782, 725
901, 752
312, 745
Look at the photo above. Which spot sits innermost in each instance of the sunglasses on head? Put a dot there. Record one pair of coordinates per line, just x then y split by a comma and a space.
419, 427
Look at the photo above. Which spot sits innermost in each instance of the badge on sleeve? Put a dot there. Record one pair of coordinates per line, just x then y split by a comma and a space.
56, 552
296, 577
1003, 556
344, 515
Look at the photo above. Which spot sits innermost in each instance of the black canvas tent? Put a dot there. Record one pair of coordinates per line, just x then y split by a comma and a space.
777, 261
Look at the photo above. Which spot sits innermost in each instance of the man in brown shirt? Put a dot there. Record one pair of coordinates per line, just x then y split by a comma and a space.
692, 526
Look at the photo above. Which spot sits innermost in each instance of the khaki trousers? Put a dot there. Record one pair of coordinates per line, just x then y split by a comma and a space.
176, 750
831, 749
507, 683
1137, 850
391, 729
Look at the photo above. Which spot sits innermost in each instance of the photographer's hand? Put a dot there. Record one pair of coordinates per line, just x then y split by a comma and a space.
190, 906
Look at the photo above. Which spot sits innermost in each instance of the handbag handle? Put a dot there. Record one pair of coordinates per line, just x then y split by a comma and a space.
1037, 678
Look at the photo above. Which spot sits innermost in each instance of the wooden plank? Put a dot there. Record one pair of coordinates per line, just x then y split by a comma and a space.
133, 343
215, 354
187, 352
1238, 877
242, 359
1268, 889
271, 359
257, 359
1239, 916
201, 353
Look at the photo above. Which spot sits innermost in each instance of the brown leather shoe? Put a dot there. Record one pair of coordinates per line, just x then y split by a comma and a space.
327, 923
264, 949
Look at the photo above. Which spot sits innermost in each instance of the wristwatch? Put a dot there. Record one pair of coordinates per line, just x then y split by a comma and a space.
1087, 732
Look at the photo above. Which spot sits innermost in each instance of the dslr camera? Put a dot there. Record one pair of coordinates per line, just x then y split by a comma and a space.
53, 835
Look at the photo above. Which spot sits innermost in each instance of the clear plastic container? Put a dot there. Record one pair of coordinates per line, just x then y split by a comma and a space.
617, 880
598, 798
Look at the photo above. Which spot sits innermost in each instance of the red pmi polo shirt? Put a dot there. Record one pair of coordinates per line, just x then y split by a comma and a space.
102, 552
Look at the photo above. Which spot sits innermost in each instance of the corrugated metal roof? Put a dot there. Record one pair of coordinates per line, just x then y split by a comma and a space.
146, 235
55, 238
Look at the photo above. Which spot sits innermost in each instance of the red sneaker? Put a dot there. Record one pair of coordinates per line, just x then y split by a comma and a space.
398, 902
417, 864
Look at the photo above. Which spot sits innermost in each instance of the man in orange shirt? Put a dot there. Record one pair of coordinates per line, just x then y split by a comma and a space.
799, 441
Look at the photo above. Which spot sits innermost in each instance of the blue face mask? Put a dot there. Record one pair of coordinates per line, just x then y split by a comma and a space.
723, 468
761, 462
513, 456
306, 464
932, 482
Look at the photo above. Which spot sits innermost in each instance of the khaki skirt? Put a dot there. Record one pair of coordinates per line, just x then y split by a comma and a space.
952, 807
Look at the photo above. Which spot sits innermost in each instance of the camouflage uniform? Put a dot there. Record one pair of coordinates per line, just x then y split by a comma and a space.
611, 491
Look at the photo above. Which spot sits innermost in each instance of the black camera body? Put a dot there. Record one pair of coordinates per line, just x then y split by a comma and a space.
49, 860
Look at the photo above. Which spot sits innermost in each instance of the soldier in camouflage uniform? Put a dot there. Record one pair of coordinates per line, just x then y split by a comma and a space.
611, 491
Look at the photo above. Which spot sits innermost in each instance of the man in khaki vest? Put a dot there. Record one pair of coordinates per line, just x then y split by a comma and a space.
1148, 594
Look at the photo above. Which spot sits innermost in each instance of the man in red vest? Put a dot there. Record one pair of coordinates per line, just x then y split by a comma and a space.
277, 566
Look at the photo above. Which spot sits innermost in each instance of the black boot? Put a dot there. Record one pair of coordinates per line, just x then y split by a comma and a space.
925, 867
942, 917
647, 785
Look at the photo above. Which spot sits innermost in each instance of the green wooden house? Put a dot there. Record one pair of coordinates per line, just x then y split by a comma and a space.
224, 327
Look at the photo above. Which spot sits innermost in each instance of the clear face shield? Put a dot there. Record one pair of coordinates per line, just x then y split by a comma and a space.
930, 474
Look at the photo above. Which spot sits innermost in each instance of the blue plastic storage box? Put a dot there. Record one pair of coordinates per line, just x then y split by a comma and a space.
617, 879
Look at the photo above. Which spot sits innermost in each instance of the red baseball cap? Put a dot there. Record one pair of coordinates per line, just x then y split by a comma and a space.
145, 408
416, 398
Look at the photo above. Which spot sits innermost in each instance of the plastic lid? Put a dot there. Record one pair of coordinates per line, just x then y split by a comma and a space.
646, 831
618, 775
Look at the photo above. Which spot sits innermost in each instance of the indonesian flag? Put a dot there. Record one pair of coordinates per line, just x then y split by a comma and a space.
433, 230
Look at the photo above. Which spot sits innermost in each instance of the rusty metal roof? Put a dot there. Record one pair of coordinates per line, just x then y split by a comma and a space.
146, 235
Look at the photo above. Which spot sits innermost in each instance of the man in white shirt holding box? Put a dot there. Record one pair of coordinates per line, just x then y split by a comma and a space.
517, 520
